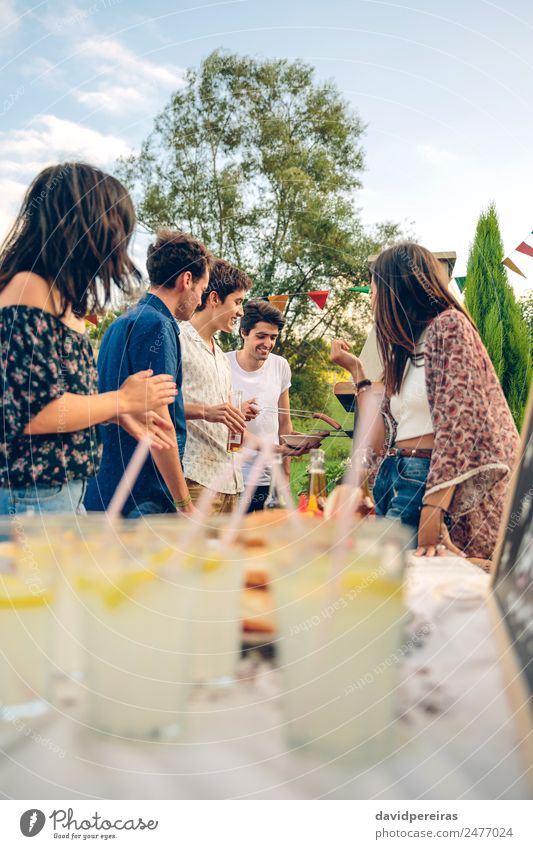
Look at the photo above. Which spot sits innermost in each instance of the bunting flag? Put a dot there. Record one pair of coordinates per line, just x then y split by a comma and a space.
524, 248
362, 289
460, 282
510, 264
279, 301
93, 319
319, 298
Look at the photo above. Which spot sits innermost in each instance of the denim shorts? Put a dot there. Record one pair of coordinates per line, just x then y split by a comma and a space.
66, 498
399, 489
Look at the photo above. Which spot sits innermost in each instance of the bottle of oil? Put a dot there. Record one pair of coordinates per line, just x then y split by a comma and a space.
235, 439
275, 499
317, 477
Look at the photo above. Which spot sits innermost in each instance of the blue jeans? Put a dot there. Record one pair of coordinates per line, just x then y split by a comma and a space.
399, 489
67, 498
149, 508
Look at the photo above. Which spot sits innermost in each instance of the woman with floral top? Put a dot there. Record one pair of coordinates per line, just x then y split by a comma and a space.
445, 437
65, 254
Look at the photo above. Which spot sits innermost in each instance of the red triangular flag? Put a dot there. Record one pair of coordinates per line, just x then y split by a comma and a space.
524, 248
92, 318
319, 298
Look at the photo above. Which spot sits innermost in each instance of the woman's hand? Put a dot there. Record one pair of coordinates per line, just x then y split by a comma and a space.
142, 392
141, 425
433, 536
341, 356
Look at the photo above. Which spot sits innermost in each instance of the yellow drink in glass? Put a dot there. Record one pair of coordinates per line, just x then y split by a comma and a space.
340, 620
136, 649
25, 624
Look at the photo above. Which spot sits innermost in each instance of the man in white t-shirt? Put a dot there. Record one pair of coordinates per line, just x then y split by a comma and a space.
266, 377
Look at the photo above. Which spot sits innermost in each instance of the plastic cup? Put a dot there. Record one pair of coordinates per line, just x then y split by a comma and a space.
340, 626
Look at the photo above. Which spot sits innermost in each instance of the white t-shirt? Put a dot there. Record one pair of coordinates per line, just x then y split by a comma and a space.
265, 384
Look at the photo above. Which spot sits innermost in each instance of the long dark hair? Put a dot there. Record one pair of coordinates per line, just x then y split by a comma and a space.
73, 229
410, 290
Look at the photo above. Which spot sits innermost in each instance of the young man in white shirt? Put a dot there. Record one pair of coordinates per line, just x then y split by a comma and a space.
266, 377
207, 387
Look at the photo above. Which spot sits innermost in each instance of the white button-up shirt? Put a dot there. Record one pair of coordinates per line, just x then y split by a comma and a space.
207, 380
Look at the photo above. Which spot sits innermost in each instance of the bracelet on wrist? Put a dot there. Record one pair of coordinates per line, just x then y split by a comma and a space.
182, 502
362, 385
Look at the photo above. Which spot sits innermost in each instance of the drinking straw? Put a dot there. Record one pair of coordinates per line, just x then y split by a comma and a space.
127, 481
261, 460
366, 423
208, 495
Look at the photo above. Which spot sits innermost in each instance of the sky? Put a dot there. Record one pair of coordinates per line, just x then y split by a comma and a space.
444, 89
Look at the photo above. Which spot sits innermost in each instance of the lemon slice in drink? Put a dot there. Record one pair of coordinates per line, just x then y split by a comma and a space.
15, 593
370, 582
116, 588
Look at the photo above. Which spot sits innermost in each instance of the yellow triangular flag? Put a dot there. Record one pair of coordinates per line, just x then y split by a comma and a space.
279, 301
510, 264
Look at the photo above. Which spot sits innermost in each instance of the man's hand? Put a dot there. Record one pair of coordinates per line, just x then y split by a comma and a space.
250, 409
151, 425
433, 536
226, 414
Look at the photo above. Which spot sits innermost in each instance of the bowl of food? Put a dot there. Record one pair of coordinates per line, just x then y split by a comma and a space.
303, 440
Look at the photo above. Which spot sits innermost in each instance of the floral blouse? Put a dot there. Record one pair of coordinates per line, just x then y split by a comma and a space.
41, 359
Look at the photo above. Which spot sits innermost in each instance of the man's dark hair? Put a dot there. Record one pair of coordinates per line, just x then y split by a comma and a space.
256, 311
224, 279
171, 254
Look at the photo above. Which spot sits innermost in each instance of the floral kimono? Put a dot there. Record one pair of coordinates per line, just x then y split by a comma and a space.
475, 439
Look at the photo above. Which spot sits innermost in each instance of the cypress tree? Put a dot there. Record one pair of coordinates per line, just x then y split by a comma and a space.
493, 306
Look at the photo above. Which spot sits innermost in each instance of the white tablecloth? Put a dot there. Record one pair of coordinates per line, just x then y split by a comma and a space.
456, 738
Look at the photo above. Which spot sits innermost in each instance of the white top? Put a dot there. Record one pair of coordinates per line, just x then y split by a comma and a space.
207, 380
410, 407
265, 384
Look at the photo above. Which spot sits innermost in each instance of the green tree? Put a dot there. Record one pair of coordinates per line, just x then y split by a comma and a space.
526, 308
493, 306
263, 164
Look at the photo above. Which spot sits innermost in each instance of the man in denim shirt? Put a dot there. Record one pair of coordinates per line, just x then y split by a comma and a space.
147, 337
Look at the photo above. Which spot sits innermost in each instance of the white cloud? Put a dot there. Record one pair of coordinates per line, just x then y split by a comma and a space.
46, 140
434, 154
9, 17
137, 83
116, 99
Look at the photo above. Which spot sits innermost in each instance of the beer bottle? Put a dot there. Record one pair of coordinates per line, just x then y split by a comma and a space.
317, 477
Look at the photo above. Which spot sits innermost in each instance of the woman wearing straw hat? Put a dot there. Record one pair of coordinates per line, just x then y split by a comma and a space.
445, 438
64, 256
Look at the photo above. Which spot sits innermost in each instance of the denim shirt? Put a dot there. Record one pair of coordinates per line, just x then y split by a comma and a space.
147, 336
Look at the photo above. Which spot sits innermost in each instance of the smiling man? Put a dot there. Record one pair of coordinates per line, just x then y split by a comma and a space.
207, 387
265, 376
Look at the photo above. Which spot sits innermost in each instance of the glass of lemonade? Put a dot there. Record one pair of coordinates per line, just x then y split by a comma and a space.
216, 612
136, 636
340, 618
25, 629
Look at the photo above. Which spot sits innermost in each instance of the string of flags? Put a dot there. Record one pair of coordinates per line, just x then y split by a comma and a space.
280, 301
523, 248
